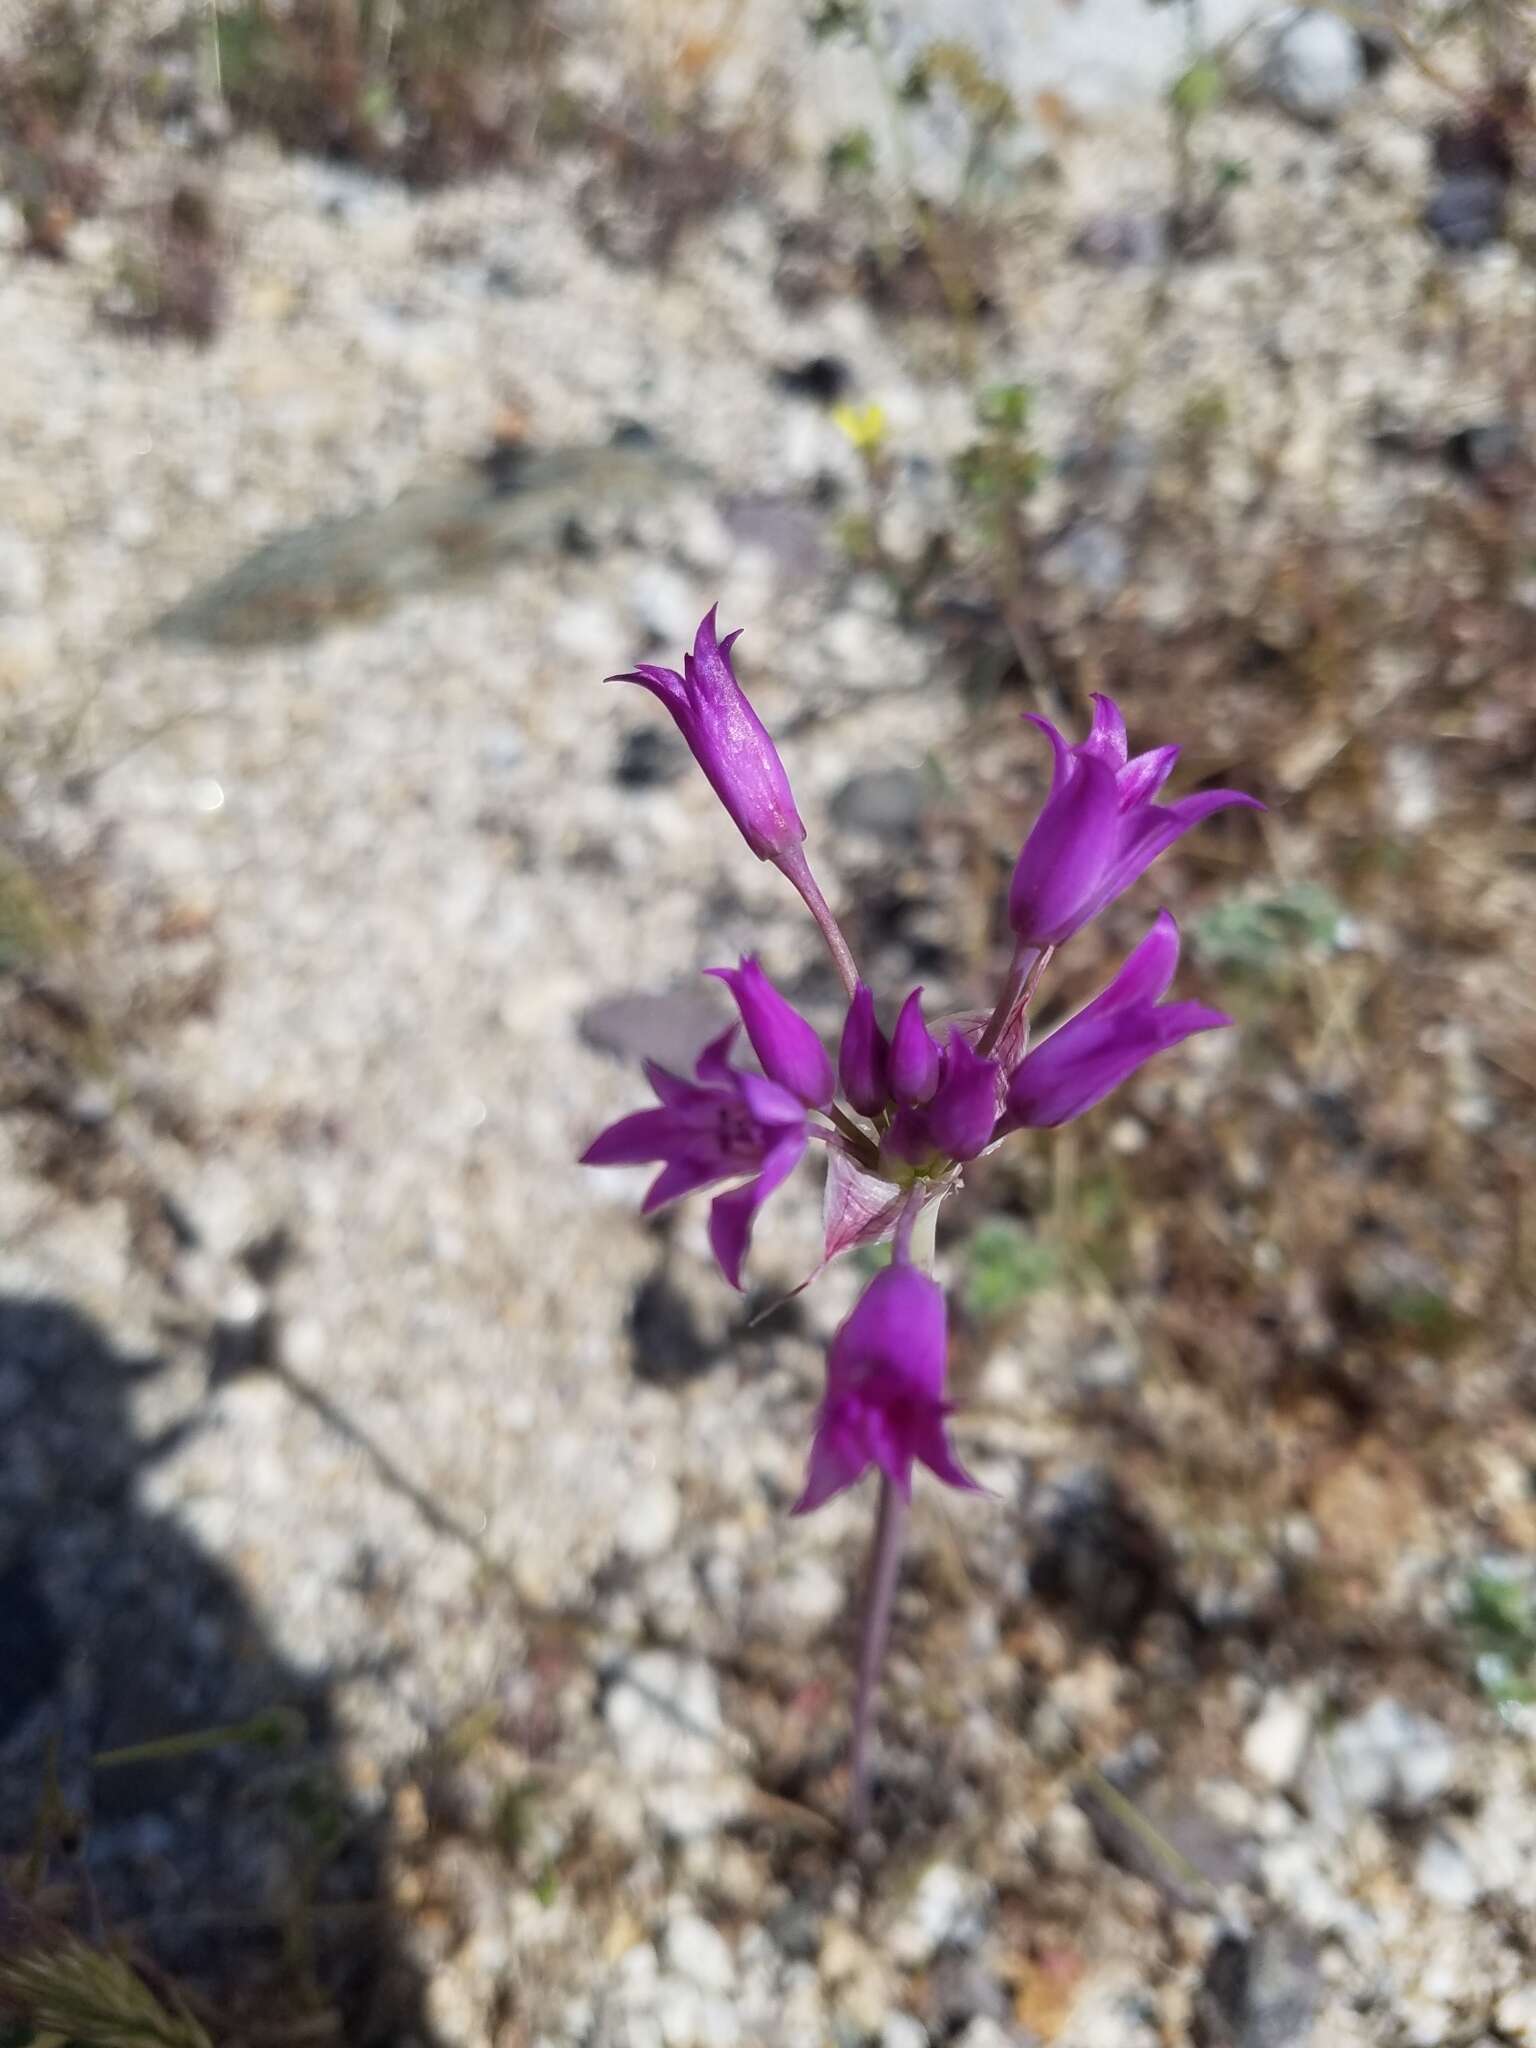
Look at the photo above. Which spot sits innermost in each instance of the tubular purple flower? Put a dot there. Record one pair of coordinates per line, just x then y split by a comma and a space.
1099, 828
787, 1045
728, 739
724, 1126
915, 1057
862, 1060
1102, 1045
884, 1402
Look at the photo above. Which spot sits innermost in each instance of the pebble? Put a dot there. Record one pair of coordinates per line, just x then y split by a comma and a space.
1275, 1744
666, 604
1388, 1760
648, 1521
1315, 65
887, 803
1443, 1873
699, 1952
948, 1910
21, 573
1466, 210
902, 2031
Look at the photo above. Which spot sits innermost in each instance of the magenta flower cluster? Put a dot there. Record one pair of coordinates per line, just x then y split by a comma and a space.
917, 1103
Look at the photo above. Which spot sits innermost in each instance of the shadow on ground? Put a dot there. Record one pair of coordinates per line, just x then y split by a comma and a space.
242, 1869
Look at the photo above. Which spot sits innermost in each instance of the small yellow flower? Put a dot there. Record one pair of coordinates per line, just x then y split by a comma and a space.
864, 425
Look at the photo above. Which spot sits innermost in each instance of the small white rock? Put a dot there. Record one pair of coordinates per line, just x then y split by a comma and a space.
1443, 1874
1276, 1741
902, 2031
948, 1909
664, 603
1315, 65
648, 1521
699, 1952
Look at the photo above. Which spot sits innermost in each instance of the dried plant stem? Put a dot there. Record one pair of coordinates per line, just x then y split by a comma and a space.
798, 869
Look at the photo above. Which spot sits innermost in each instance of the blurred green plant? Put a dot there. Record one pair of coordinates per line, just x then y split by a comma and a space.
1261, 934
70, 1995
1499, 1620
1004, 1265
996, 473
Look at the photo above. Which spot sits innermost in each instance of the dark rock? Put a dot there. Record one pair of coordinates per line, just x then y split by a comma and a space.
670, 1343
673, 1027
1490, 455
1466, 210
649, 758
1102, 1562
823, 379
1260, 1991
961, 1988
31, 1652
238, 1345
887, 803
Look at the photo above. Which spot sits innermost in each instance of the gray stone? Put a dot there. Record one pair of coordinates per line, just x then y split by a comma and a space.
947, 1910
1387, 1760
672, 1026
1261, 1991
887, 803
1315, 65
1466, 210
1275, 1744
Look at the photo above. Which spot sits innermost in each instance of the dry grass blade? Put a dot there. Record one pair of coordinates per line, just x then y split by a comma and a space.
93, 1999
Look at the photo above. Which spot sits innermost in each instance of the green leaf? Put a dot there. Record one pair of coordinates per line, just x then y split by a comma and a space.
1255, 932
1004, 1265
1197, 90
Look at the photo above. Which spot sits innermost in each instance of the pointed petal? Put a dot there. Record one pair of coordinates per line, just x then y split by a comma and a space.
1106, 737
732, 1216
930, 1445
837, 1460
1063, 860
713, 1063
664, 683
670, 1088
915, 1058
863, 1055
963, 1112
1140, 780
681, 1177
790, 1050
1151, 830
768, 1103
634, 1140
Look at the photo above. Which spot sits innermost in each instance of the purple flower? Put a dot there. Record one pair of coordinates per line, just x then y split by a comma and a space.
1097, 1049
958, 1122
863, 1057
1099, 828
728, 739
788, 1047
915, 1056
724, 1126
885, 1401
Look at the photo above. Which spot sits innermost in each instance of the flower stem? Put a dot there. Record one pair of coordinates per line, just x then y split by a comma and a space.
884, 1564
916, 1232
797, 868
1024, 974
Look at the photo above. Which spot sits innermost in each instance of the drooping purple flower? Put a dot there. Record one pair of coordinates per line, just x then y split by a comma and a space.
958, 1122
789, 1048
863, 1057
915, 1055
1102, 1045
728, 739
884, 1402
1099, 829
724, 1126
